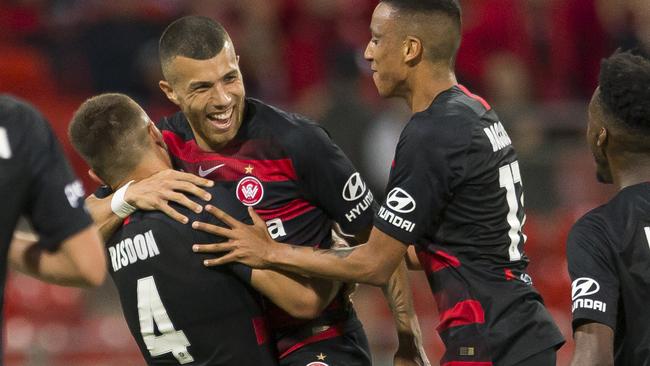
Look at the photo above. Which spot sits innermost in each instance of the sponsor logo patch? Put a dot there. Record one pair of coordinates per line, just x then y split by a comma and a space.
250, 191
400, 201
74, 192
354, 187
584, 286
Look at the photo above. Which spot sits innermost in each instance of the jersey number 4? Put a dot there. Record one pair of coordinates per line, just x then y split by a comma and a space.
150, 311
508, 176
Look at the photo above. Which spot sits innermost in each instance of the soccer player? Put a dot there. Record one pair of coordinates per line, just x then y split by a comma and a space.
37, 182
454, 191
284, 166
202, 316
608, 248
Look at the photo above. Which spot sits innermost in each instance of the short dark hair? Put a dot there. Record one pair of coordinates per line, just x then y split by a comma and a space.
109, 133
625, 89
193, 36
441, 43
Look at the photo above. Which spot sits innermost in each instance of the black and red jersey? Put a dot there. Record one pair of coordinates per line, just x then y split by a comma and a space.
608, 253
179, 311
36, 181
297, 180
455, 191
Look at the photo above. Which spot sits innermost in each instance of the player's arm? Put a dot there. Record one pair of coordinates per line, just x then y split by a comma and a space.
590, 261
373, 263
300, 297
594, 345
153, 193
412, 261
79, 261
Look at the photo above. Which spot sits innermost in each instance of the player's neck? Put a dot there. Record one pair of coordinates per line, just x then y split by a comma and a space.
426, 83
145, 169
629, 171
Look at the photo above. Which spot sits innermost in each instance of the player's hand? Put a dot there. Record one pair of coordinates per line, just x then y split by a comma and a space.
410, 352
249, 244
155, 192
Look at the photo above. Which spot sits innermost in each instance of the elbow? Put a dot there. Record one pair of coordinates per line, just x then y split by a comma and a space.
376, 276
91, 277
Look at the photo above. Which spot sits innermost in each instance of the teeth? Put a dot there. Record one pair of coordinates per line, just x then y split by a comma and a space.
221, 116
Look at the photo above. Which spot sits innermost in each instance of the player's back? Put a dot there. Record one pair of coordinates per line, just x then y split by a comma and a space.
609, 260
179, 311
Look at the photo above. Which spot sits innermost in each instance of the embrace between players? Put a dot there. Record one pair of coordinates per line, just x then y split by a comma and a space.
454, 194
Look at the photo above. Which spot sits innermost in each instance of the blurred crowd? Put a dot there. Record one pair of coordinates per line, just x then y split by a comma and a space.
535, 61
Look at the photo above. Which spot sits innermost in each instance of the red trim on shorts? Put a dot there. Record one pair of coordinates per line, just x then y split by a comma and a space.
437, 261
509, 274
334, 331
466, 363
261, 331
276, 170
474, 96
126, 221
463, 313
289, 211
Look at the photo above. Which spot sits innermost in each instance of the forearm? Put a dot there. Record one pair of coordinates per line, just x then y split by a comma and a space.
398, 294
26, 257
106, 221
301, 297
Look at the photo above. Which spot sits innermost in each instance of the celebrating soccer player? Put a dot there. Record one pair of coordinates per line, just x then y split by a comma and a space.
283, 166
608, 249
455, 192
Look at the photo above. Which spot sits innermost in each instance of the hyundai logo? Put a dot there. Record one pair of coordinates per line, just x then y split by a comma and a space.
583, 286
354, 188
400, 201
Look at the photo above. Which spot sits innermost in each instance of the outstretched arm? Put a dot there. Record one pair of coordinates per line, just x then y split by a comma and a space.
153, 193
594, 345
372, 263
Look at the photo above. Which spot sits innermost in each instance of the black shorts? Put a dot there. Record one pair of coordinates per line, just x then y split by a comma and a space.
349, 349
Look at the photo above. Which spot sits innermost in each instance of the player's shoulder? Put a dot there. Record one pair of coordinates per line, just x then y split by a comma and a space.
22, 119
292, 130
177, 124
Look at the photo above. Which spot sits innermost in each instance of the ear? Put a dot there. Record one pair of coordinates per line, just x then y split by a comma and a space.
95, 178
412, 50
156, 135
169, 91
603, 137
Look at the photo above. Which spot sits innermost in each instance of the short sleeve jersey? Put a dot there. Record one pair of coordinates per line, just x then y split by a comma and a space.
35, 181
455, 192
608, 253
288, 169
178, 310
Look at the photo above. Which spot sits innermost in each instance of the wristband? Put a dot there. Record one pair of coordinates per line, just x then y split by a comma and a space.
118, 205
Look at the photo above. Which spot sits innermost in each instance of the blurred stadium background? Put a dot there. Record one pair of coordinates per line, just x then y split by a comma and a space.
535, 61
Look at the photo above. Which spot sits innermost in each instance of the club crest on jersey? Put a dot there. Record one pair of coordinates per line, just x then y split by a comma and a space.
354, 187
317, 363
250, 191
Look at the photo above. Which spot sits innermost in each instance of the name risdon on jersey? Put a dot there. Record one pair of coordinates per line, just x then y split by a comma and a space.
297, 180
179, 311
455, 191
608, 253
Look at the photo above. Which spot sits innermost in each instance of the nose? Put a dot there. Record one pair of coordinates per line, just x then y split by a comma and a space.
367, 54
220, 96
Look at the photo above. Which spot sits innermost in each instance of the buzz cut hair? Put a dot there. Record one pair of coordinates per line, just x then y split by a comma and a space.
625, 89
437, 22
193, 36
110, 132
